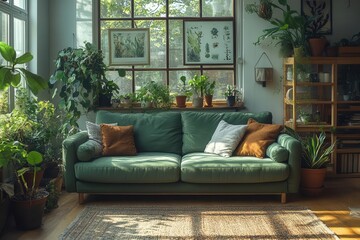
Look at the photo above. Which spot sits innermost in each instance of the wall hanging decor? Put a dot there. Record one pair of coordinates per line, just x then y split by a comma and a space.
263, 70
320, 14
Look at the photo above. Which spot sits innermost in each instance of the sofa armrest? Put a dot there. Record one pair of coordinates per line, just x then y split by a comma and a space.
294, 148
70, 146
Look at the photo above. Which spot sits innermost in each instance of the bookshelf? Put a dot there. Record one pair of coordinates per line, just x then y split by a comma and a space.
323, 93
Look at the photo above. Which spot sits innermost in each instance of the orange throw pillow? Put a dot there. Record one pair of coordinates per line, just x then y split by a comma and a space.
118, 140
257, 138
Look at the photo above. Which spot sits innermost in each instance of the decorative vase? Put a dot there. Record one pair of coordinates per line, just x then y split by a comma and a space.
197, 102
28, 214
181, 101
208, 100
317, 46
312, 181
230, 100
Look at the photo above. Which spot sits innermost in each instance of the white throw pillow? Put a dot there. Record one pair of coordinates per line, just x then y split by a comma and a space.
225, 139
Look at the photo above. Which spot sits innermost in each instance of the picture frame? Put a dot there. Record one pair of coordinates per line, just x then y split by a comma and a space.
129, 46
208, 42
321, 11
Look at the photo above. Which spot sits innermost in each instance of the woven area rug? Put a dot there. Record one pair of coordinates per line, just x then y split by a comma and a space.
211, 222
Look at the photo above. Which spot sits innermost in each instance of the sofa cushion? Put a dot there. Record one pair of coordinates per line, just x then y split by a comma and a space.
212, 168
257, 138
89, 150
198, 127
118, 140
277, 152
151, 167
225, 139
153, 132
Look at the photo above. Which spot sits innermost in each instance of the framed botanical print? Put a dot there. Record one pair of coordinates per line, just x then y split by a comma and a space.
319, 12
129, 46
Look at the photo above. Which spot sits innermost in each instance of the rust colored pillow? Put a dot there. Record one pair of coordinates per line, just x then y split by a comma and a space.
257, 138
118, 140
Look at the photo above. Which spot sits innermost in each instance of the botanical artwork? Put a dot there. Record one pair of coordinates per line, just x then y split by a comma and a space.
129, 46
208, 42
320, 16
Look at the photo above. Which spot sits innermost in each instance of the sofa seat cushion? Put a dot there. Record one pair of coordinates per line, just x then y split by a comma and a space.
212, 168
150, 167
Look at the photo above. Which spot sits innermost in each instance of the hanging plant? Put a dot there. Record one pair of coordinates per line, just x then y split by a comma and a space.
263, 9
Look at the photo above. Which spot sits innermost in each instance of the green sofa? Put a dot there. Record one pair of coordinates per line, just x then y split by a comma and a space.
171, 159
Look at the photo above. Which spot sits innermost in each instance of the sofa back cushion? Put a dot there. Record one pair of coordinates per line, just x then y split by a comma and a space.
153, 132
198, 127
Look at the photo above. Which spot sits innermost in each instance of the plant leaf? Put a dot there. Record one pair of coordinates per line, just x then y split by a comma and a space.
34, 158
26, 57
7, 52
35, 82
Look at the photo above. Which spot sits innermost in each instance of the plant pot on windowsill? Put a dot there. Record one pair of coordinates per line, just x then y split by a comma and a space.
197, 102
105, 100
181, 101
230, 100
208, 100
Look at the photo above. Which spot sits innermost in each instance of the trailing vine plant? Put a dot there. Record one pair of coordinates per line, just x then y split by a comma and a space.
78, 79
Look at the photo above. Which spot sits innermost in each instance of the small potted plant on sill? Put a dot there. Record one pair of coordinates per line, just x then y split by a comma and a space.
230, 95
183, 93
197, 84
107, 89
209, 93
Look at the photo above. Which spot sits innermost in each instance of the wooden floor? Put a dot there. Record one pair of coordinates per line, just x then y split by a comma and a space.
332, 207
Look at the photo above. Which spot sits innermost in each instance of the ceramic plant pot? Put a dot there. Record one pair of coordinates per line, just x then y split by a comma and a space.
198, 102
230, 100
312, 181
317, 46
208, 100
181, 101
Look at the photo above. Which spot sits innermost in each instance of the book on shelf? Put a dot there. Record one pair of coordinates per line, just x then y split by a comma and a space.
349, 163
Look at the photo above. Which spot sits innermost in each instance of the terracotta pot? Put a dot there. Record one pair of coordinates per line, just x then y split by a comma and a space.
29, 177
312, 180
317, 46
181, 101
208, 100
28, 214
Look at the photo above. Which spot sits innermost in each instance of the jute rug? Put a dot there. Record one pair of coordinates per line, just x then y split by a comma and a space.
211, 222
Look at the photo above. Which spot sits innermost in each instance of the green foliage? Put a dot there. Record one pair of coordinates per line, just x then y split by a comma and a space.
4, 102
316, 152
263, 10
290, 30
198, 84
183, 88
230, 91
209, 87
157, 93
80, 76
11, 74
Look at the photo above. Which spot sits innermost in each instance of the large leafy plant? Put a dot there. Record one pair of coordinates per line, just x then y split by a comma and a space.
80, 76
12, 72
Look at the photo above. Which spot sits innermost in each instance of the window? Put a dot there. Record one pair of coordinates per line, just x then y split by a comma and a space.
165, 20
13, 30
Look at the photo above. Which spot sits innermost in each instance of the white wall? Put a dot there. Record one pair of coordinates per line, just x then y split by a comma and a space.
63, 26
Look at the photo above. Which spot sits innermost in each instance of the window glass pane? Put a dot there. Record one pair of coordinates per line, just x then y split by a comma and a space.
217, 8
184, 8
157, 42
105, 25
222, 78
19, 36
146, 8
176, 39
143, 77
20, 3
115, 8
125, 83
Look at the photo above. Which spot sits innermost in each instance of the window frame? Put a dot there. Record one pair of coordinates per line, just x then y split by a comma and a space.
167, 18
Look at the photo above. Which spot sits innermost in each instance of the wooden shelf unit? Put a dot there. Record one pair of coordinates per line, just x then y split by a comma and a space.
339, 118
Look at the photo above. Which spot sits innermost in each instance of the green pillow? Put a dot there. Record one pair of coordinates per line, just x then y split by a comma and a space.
89, 150
277, 152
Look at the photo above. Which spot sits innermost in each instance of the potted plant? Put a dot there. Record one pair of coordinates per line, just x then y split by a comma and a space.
288, 31
28, 202
155, 93
230, 95
127, 100
316, 22
197, 84
209, 92
316, 154
106, 92
263, 9
11, 74
82, 76
183, 93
